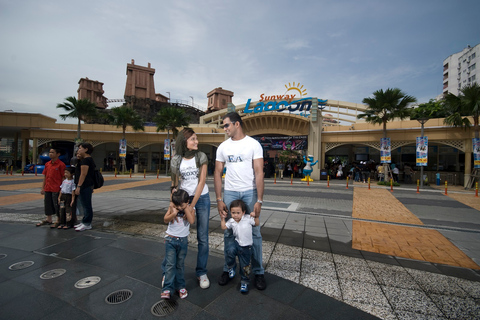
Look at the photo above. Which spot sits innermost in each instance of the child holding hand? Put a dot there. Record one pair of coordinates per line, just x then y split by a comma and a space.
179, 216
66, 200
241, 226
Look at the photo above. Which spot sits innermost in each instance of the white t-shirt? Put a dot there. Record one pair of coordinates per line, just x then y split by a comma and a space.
189, 177
238, 157
242, 230
68, 186
178, 229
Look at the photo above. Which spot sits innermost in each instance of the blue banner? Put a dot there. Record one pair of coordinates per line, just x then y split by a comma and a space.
385, 151
422, 151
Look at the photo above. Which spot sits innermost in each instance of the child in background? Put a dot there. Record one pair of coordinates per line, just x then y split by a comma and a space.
179, 217
241, 226
66, 200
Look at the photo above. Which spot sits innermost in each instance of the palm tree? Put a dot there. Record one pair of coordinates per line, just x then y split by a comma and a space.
171, 118
82, 109
460, 108
386, 106
123, 117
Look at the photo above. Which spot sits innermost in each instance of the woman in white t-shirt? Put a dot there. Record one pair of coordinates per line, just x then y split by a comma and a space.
189, 169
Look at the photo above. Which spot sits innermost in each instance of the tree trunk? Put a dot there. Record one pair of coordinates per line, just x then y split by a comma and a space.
78, 129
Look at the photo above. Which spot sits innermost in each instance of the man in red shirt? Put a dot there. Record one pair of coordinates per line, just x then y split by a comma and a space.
52, 179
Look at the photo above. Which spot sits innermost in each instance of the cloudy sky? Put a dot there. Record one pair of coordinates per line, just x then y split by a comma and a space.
340, 50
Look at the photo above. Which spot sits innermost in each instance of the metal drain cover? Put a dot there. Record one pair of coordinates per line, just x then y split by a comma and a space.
119, 296
21, 265
52, 274
3, 255
87, 282
164, 308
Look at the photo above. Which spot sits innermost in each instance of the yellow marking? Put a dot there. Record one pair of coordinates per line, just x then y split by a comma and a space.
7, 200
19, 198
401, 241
381, 205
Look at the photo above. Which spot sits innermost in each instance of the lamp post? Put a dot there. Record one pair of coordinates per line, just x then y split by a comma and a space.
192, 100
422, 122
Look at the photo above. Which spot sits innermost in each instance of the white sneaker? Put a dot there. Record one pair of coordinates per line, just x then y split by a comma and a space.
83, 228
204, 282
78, 225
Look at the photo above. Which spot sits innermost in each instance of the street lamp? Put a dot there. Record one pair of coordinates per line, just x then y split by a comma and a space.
422, 122
192, 100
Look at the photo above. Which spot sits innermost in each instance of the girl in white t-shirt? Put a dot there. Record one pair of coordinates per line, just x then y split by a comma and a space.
179, 216
189, 173
241, 226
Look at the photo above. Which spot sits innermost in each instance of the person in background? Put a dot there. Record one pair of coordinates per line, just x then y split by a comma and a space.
52, 179
84, 189
66, 200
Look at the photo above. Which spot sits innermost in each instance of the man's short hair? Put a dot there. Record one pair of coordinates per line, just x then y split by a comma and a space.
234, 117
57, 150
180, 197
87, 146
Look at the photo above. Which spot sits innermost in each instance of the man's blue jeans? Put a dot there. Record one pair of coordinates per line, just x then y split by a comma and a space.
86, 200
174, 263
250, 198
202, 209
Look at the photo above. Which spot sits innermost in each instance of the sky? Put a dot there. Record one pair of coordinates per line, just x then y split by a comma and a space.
339, 50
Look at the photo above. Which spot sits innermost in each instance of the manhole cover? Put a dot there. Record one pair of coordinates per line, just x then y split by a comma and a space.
21, 265
87, 282
3, 255
118, 296
52, 274
163, 308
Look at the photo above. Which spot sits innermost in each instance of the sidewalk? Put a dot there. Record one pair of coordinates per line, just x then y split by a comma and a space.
312, 269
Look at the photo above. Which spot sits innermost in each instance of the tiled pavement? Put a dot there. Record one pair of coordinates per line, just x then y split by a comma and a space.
312, 269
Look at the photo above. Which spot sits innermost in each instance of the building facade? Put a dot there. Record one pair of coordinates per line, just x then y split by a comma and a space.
460, 69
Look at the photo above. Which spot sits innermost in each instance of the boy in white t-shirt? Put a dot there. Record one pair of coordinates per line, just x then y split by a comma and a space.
242, 230
179, 217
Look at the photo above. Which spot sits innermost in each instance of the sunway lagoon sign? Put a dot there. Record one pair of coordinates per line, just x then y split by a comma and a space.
288, 102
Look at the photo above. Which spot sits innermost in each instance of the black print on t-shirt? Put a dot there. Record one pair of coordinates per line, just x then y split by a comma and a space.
233, 158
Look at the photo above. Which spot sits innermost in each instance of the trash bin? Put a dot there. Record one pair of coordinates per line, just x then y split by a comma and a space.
438, 178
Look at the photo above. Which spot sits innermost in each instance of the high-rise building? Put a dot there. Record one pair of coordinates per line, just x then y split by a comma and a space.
460, 69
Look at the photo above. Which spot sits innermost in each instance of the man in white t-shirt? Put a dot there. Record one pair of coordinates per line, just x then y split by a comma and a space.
243, 158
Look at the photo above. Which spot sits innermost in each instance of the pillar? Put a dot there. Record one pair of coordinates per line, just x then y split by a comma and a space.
315, 139
35, 151
15, 151
468, 161
24, 152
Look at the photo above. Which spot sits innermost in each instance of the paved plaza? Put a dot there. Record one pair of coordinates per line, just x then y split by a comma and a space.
329, 251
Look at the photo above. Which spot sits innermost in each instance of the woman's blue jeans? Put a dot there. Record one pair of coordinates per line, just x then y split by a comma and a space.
250, 198
202, 209
174, 263
86, 203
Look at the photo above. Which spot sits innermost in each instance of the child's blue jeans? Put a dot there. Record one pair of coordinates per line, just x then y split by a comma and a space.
174, 263
244, 254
